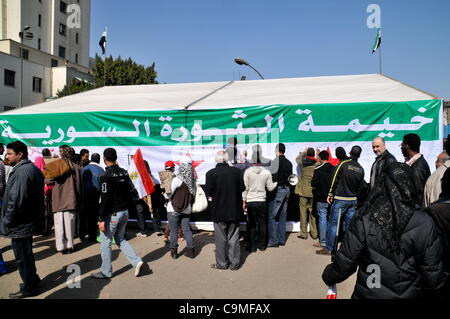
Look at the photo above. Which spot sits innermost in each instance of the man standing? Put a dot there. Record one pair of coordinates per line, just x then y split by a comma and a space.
91, 187
257, 179
433, 187
224, 187
383, 159
411, 151
306, 163
347, 183
84, 154
321, 182
22, 215
116, 196
281, 169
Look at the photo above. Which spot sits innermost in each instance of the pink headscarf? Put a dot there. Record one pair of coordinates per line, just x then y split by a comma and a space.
40, 163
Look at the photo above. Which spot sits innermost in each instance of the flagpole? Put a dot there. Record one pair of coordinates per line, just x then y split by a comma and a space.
106, 47
381, 70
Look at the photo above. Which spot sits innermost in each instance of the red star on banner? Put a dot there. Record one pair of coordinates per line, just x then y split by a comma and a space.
195, 164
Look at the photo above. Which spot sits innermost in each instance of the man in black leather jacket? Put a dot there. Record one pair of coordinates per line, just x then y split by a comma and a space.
383, 159
411, 151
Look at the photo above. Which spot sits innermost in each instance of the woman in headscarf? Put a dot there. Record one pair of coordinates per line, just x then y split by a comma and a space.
393, 242
66, 201
40, 163
182, 198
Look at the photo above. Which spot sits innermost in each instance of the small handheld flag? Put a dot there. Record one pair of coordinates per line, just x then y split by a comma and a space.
102, 42
332, 292
140, 176
377, 43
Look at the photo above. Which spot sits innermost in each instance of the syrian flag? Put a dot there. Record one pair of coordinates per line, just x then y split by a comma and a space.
140, 176
377, 43
102, 42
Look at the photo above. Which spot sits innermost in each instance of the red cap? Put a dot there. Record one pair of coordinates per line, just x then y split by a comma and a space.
169, 164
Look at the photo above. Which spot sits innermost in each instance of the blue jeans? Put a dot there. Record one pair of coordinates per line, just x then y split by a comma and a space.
174, 220
115, 228
346, 209
277, 234
322, 212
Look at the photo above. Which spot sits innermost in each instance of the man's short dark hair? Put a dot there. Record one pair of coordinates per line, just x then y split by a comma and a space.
110, 155
310, 152
95, 158
281, 148
18, 147
413, 141
46, 152
355, 152
340, 153
324, 156
84, 151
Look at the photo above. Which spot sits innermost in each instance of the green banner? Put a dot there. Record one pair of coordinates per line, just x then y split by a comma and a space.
292, 124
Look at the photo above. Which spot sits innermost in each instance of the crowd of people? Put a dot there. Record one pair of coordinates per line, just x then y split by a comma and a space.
398, 221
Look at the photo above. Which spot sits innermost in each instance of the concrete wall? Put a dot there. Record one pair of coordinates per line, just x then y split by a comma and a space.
9, 96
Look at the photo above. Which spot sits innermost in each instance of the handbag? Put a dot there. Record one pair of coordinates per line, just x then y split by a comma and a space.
200, 202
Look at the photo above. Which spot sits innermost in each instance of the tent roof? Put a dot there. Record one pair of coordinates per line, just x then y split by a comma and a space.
311, 90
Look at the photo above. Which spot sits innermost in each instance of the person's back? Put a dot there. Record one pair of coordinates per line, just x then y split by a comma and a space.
389, 235
119, 196
91, 179
257, 179
321, 182
350, 179
307, 165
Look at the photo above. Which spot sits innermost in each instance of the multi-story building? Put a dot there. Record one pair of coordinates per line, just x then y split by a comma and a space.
58, 52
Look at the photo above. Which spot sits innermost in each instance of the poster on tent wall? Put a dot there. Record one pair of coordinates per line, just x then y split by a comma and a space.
196, 135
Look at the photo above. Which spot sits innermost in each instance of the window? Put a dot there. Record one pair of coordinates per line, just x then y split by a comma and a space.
25, 54
62, 6
77, 38
37, 85
62, 52
62, 29
39, 20
54, 63
76, 58
10, 78
39, 44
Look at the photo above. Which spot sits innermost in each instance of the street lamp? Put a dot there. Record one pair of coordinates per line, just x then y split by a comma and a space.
27, 36
243, 62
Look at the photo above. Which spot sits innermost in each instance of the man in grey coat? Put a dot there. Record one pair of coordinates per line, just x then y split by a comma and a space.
22, 215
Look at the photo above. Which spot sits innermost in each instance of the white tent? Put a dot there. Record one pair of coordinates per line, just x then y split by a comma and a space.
210, 95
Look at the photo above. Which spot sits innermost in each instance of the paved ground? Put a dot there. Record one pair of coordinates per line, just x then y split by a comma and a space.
290, 272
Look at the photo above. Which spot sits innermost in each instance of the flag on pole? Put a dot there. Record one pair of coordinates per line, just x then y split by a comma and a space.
140, 176
102, 42
377, 43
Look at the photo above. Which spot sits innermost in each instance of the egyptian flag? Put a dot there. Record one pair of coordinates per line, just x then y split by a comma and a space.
331, 160
140, 176
377, 43
102, 43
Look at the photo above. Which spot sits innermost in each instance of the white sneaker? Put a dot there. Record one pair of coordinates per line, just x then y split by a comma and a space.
141, 235
137, 270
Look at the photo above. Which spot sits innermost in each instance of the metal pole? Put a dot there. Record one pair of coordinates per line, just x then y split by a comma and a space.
381, 70
21, 68
106, 47
256, 71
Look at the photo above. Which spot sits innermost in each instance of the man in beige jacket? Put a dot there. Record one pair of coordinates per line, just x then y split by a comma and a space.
306, 163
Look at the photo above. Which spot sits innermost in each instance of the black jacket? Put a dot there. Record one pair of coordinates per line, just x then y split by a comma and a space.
321, 182
281, 169
348, 179
416, 272
421, 172
380, 162
22, 213
117, 193
225, 185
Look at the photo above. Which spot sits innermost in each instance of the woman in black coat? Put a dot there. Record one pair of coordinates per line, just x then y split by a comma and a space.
395, 245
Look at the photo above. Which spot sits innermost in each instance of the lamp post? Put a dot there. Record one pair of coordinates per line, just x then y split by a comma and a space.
241, 61
27, 36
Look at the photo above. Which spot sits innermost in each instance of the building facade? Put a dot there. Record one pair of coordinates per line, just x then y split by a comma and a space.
58, 52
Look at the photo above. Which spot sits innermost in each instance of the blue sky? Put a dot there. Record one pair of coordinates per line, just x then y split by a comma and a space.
197, 40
